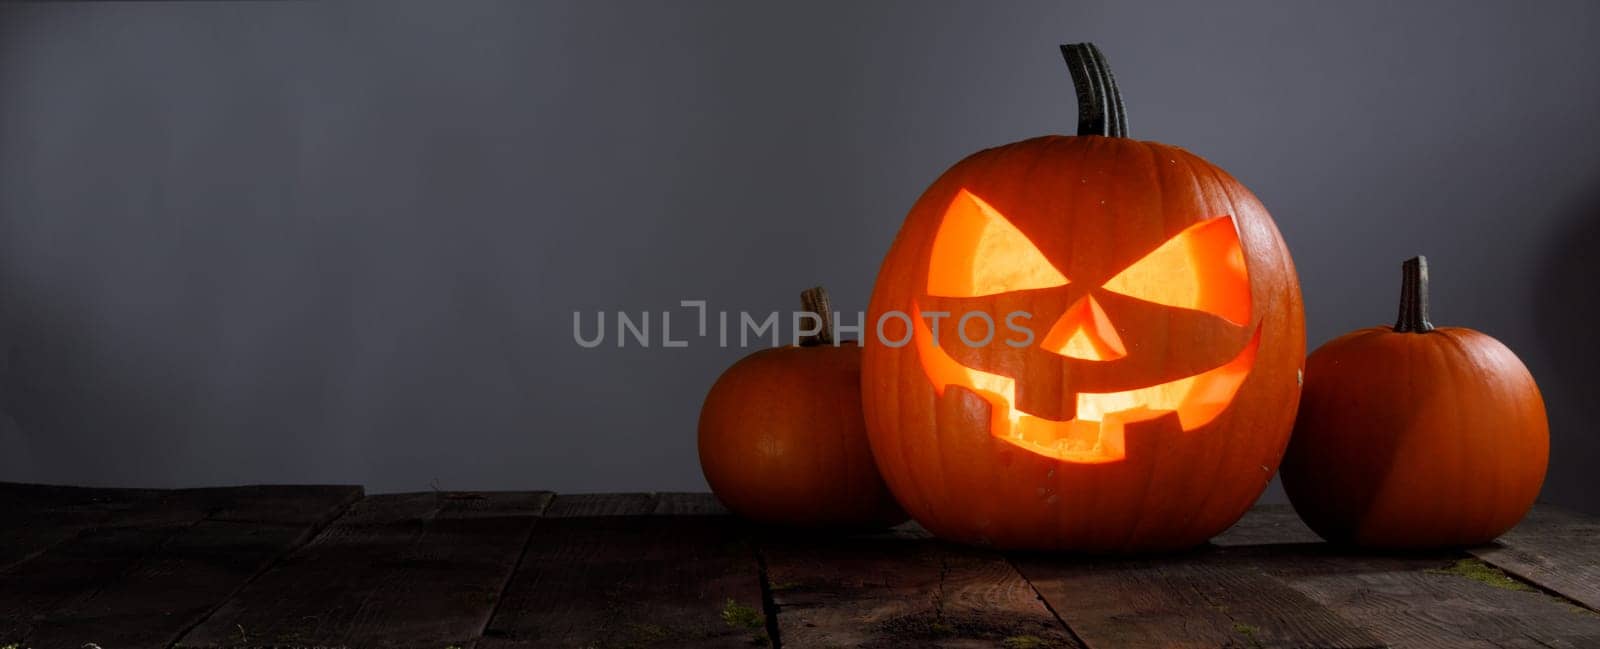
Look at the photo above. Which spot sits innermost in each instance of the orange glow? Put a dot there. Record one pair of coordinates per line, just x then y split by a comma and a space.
1095, 435
978, 252
1202, 268
1085, 332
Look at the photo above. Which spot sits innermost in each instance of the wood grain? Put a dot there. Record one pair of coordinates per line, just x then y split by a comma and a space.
1557, 549
896, 590
409, 570
633, 581
170, 589
1202, 599
689, 504
219, 567
580, 505
135, 568
279, 504
1266, 525
69, 573
40, 516
1431, 600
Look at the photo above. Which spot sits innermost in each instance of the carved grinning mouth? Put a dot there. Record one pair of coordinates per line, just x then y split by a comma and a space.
1096, 434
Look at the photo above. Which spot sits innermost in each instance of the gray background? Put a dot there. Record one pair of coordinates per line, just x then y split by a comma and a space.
343, 243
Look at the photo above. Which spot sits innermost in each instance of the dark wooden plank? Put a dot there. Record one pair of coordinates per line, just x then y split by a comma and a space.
1557, 549
689, 504
40, 516
460, 565
171, 588
580, 505
315, 591
899, 589
24, 536
633, 581
141, 566
1444, 600
1267, 524
68, 573
282, 504
22, 500
1206, 598
409, 570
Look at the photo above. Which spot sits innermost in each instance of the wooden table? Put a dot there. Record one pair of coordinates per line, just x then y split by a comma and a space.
314, 566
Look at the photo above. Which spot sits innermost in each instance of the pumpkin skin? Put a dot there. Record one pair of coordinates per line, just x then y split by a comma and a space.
782, 441
1416, 439
1094, 207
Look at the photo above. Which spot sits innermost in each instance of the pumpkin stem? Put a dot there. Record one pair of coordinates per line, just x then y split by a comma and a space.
815, 300
1414, 297
1100, 109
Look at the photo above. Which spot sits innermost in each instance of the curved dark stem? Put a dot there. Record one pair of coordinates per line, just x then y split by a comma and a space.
1414, 297
815, 300
1100, 110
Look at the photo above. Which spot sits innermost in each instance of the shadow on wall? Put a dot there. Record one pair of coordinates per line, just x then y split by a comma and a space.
55, 376
1567, 308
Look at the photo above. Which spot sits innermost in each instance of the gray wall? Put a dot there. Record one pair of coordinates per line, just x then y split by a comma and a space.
342, 243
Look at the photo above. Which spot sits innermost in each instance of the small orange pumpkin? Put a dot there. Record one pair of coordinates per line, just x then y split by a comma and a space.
783, 441
1415, 436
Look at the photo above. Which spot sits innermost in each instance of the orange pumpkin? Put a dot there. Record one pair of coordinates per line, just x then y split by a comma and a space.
1141, 382
1413, 436
782, 438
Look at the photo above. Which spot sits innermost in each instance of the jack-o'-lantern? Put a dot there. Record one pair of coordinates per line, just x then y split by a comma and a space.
1088, 343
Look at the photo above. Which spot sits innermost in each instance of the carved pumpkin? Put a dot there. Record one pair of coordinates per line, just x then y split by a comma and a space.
782, 438
1144, 399
1412, 437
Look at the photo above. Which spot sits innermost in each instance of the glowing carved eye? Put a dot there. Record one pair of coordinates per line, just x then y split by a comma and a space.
978, 252
1202, 268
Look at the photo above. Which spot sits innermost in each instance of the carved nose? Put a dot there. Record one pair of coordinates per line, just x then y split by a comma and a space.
1084, 332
